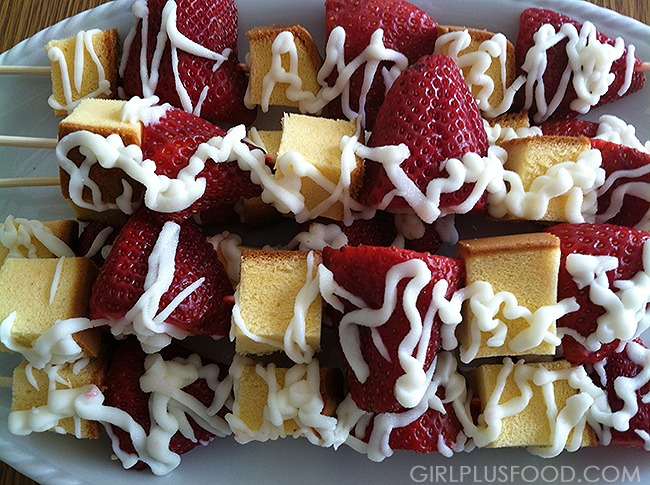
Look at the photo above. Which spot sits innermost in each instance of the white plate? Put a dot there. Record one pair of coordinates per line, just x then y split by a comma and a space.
53, 459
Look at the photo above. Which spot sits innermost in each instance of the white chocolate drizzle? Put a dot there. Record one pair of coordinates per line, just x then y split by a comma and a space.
475, 64
294, 342
444, 374
83, 45
16, 233
169, 407
369, 59
299, 399
626, 315
144, 320
169, 32
411, 386
588, 69
497, 134
229, 248
484, 306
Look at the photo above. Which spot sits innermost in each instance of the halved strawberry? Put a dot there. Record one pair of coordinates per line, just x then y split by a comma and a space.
530, 22
214, 93
570, 127
624, 243
431, 110
362, 271
627, 364
121, 280
634, 206
174, 139
123, 391
406, 28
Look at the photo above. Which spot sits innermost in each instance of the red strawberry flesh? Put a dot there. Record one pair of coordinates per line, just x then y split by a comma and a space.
624, 243
121, 280
430, 109
362, 271
406, 28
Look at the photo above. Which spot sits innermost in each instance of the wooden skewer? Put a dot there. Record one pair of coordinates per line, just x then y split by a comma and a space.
26, 70
29, 182
643, 67
25, 141
6, 381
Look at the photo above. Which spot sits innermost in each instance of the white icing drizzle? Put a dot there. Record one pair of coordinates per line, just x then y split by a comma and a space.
370, 58
299, 399
143, 320
55, 279
626, 315
483, 307
162, 193
319, 236
145, 110
443, 373
55, 345
588, 68
577, 180
412, 385
83, 44
169, 32
572, 417
484, 172
475, 64
634, 188
99, 242
229, 247
169, 408
497, 134
16, 233
615, 130
291, 168
294, 342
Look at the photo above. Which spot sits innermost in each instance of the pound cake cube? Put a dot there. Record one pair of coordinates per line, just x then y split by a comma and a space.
269, 284
261, 58
532, 157
530, 427
26, 397
494, 71
42, 291
515, 121
525, 265
318, 141
103, 117
64, 230
105, 47
251, 394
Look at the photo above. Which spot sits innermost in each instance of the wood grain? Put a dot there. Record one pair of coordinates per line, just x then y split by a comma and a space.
20, 19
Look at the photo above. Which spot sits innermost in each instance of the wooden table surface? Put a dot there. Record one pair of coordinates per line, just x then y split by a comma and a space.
20, 19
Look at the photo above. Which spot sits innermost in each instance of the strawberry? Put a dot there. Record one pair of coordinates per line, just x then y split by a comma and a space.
530, 21
123, 391
362, 270
93, 239
423, 434
171, 142
211, 24
407, 29
616, 158
624, 243
431, 110
625, 364
570, 127
121, 279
